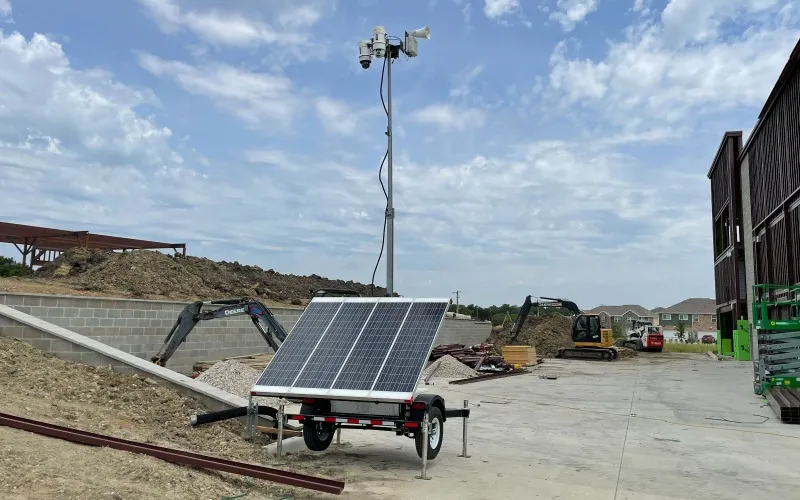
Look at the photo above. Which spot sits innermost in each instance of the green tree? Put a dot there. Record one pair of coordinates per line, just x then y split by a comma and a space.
680, 330
616, 331
9, 267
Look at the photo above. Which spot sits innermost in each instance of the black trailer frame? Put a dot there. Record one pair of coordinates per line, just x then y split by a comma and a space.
416, 419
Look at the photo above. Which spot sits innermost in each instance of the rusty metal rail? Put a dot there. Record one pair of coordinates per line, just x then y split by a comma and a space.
175, 456
489, 377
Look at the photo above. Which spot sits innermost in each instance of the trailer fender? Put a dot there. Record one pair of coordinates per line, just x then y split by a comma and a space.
429, 400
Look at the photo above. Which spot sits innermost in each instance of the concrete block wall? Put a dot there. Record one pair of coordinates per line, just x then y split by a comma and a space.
138, 327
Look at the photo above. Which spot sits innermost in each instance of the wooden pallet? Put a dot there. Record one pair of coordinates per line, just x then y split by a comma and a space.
256, 361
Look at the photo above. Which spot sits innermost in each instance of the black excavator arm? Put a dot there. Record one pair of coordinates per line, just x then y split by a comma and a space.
547, 302
269, 327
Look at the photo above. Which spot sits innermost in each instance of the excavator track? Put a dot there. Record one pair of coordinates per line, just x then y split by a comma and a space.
596, 353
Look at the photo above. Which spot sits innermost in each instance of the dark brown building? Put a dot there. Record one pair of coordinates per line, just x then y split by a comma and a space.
755, 199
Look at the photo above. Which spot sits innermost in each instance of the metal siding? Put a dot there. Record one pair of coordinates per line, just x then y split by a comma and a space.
720, 192
775, 155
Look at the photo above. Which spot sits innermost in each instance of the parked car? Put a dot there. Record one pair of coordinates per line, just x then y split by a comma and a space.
708, 339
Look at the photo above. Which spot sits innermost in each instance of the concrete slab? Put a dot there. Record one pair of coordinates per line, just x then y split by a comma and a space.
659, 426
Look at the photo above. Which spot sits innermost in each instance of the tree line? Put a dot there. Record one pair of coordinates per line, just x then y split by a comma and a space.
9, 267
504, 314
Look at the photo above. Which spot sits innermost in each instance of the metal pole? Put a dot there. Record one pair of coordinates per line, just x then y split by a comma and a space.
464, 434
251, 416
279, 446
425, 439
389, 202
338, 435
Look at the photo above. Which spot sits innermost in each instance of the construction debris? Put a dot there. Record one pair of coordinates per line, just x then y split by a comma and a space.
152, 274
255, 361
237, 379
449, 367
624, 352
547, 334
478, 357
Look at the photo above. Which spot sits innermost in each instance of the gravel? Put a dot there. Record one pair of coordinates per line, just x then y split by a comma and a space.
235, 378
449, 367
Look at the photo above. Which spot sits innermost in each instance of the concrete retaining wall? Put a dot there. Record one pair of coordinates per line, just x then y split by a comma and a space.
138, 327
70, 346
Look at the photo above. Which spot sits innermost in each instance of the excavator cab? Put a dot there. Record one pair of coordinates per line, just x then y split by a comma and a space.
591, 340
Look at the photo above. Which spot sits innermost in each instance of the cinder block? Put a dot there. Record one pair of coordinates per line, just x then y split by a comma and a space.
131, 322
71, 312
85, 312
55, 312
49, 301
13, 300
92, 321
40, 343
127, 313
139, 313
38, 312
109, 304
151, 314
69, 356
119, 322
28, 300
60, 345
65, 302
114, 313
80, 303
73, 322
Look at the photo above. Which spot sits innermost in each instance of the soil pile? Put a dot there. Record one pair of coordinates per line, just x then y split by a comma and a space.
624, 352
152, 274
547, 333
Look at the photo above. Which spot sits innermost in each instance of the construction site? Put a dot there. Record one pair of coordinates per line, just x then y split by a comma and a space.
136, 369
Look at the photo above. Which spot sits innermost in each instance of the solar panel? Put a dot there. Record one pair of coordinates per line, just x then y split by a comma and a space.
361, 348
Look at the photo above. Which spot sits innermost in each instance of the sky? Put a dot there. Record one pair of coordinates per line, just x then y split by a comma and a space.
544, 147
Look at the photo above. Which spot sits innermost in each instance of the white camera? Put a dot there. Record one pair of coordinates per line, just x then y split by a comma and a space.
379, 41
365, 53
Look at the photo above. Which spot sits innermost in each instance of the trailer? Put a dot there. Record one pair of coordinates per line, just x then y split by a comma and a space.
355, 363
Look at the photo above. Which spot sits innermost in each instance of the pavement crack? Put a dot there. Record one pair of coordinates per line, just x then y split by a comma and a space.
625, 440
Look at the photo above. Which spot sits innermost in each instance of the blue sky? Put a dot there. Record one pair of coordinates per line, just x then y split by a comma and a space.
548, 147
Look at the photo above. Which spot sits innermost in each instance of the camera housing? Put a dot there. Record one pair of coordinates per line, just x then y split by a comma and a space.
365, 53
379, 41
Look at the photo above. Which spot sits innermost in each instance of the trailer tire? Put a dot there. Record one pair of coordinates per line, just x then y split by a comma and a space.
435, 438
317, 435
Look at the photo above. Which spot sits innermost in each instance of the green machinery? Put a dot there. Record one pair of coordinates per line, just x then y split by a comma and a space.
776, 324
737, 345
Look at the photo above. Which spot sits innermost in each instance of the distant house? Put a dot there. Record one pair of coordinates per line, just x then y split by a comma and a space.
698, 314
625, 314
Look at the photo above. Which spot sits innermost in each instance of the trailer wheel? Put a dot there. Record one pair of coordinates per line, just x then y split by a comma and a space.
317, 435
435, 437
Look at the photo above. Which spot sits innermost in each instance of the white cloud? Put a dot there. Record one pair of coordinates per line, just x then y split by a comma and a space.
238, 23
449, 117
700, 20
464, 80
498, 8
571, 12
5, 8
261, 100
649, 79
336, 116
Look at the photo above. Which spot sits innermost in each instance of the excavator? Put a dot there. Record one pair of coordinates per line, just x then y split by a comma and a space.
591, 341
268, 326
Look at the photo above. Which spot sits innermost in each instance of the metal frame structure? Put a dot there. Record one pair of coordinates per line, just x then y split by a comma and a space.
44, 244
346, 394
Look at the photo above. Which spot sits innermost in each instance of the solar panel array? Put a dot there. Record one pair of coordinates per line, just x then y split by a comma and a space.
355, 348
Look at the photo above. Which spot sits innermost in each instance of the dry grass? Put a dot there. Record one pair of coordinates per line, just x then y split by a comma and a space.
701, 348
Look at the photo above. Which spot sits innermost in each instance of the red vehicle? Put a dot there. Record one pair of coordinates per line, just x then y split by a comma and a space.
708, 339
645, 337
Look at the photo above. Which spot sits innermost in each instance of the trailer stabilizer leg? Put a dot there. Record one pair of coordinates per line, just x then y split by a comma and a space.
279, 444
464, 435
338, 436
426, 425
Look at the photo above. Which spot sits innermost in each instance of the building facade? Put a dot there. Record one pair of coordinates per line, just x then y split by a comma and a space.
699, 315
755, 198
623, 315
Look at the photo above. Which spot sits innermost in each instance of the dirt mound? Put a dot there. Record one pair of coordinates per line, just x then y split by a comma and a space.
547, 333
152, 274
449, 367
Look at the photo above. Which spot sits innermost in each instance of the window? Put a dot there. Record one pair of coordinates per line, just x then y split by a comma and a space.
695, 318
683, 317
666, 317
713, 319
616, 319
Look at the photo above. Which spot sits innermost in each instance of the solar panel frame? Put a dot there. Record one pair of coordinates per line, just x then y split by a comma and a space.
293, 392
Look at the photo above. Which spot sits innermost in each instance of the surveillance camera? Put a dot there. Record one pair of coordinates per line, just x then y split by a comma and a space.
365, 53
379, 41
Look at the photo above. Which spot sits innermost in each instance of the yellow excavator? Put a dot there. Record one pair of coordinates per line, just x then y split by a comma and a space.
591, 340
